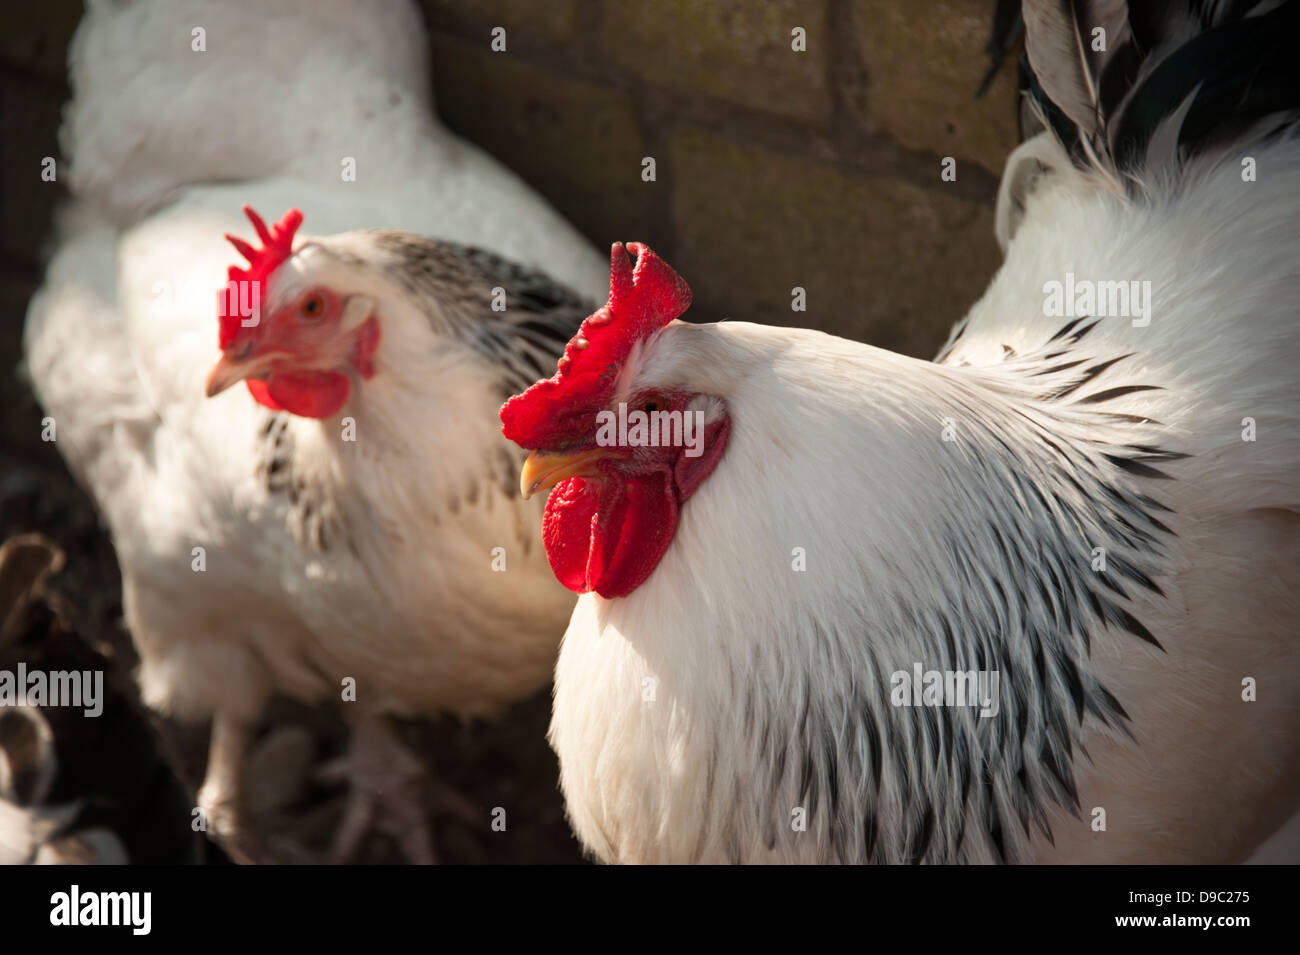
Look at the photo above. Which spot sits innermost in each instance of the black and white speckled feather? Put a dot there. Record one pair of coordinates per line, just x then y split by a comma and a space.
539, 317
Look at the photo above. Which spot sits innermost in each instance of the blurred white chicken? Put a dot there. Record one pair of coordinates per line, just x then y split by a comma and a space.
1095, 497
268, 551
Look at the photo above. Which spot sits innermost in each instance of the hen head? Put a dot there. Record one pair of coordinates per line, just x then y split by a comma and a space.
286, 331
620, 452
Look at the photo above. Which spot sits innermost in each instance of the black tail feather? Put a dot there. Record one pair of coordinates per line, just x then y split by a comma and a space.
1180, 79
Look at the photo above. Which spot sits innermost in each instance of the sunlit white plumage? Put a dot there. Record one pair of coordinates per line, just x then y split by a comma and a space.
873, 511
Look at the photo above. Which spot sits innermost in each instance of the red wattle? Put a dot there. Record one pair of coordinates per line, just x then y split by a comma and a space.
609, 536
309, 394
566, 531
261, 394
627, 549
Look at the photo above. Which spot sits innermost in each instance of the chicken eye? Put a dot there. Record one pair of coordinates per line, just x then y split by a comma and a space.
313, 307
654, 403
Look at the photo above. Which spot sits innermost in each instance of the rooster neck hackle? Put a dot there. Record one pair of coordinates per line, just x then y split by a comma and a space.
1051, 535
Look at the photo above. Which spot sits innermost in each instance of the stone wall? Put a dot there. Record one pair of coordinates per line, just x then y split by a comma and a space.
774, 169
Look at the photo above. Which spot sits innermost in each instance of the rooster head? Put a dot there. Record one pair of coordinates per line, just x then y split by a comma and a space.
294, 340
620, 454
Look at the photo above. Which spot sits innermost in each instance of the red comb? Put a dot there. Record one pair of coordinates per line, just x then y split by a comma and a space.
277, 245
642, 300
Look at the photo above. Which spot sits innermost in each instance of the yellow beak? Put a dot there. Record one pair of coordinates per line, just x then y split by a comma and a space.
542, 471
225, 373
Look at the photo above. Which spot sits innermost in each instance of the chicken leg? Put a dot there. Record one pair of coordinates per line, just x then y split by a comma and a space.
221, 796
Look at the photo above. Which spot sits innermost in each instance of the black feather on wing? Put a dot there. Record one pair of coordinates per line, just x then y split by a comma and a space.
540, 317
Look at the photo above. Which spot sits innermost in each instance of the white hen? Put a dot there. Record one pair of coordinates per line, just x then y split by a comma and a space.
262, 551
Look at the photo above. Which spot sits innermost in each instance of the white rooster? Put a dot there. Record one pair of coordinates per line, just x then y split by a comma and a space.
353, 535
1083, 519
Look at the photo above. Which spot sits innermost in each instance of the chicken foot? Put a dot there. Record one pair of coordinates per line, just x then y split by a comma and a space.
390, 793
